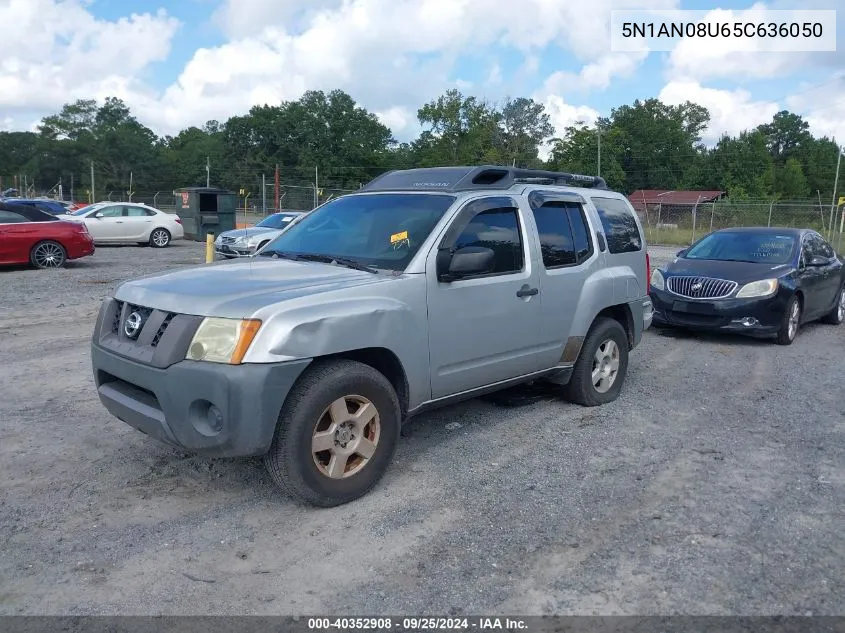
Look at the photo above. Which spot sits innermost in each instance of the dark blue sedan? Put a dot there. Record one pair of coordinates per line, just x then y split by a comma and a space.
762, 282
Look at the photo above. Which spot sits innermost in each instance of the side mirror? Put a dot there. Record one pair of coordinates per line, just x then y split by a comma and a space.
465, 262
681, 252
819, 261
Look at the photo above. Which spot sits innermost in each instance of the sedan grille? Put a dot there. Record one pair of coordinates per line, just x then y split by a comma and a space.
701, 287
228, 240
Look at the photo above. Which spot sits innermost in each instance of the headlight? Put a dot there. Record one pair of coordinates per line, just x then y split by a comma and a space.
240, 240
762, 288
657, 279
222, 340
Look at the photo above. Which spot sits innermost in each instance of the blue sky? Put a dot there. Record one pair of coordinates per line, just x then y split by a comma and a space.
179, 63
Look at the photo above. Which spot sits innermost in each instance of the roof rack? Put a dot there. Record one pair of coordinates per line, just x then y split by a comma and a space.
455, 179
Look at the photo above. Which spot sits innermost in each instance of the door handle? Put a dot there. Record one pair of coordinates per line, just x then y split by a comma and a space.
525, 291
118, 221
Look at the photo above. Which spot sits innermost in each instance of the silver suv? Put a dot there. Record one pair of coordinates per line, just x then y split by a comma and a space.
425, 287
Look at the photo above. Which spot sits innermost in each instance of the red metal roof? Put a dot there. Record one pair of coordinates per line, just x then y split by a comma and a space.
666, 196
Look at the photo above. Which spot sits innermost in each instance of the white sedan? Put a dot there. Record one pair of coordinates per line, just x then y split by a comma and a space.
122, 222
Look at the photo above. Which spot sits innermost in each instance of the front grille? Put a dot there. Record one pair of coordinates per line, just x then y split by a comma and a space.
701, 287
115, 322
227, 240
163, 338
162, 329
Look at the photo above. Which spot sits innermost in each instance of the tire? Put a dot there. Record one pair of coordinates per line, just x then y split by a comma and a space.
48, 254
159, 238
837, 315
790, 323
604, 335
305, 474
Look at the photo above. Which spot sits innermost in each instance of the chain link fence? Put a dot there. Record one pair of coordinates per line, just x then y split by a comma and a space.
682, 224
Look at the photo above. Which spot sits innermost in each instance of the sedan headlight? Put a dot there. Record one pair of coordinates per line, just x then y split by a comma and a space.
762, 288
223, 340
657, 279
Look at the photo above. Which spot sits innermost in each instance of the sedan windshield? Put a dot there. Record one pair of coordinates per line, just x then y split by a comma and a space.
377, 230
764, 247
277, 220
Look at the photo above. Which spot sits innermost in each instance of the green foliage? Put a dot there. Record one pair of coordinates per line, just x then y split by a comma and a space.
645, 145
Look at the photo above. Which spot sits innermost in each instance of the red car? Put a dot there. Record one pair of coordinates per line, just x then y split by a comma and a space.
29, 235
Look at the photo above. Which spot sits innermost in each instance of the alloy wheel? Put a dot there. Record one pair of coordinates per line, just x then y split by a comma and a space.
840, 311
49, 255
345, 437
794, 313
605, 366
160, 238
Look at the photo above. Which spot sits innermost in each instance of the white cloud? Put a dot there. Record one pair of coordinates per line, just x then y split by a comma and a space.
731, 111
563, 115
596, 75
53, 52
823, 107
700, 59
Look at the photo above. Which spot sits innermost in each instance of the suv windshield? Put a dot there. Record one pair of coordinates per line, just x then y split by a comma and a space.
765, 247
379, 230
277, 220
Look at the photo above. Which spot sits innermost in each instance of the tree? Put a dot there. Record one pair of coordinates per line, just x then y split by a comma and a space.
786, 135
524, 126
577, 152
658, 142
743, 166
791, 182
462, 130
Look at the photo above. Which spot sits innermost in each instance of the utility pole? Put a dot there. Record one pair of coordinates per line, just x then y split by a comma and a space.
263, 194
130, 186
72, 199
93, 196
598, 132
276, 200
316, 185
835, 185
207, 172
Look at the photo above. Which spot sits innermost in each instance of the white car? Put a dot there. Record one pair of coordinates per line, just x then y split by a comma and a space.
122, 222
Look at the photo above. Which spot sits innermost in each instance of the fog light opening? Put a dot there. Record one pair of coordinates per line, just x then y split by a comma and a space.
215, 418
747, 321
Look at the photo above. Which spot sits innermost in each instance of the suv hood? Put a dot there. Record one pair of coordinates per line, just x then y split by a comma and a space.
237, 290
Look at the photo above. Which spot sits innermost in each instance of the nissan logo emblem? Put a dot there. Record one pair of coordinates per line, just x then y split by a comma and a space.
132, 325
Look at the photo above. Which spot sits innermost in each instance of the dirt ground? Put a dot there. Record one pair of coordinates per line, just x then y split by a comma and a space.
714, 485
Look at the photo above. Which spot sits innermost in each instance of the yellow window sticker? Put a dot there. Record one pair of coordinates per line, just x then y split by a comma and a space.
398, 237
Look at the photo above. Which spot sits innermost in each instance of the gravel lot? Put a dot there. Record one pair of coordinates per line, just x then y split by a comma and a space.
714, 485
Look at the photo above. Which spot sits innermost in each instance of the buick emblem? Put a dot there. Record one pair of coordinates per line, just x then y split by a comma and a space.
696, 286
132, 325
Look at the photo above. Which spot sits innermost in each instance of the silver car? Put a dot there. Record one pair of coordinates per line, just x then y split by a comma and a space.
423, 288
245, 242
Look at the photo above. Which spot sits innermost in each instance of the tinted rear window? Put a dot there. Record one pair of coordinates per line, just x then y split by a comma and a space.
620, 225
30, 213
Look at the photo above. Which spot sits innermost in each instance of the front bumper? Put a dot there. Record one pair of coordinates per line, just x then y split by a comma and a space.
211, 409
229, 250
754, 317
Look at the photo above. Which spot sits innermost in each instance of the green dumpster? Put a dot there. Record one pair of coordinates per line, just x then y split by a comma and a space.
205, 210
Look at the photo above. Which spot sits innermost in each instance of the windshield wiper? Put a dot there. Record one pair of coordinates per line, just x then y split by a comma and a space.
317, 257
281, 254
343, 261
